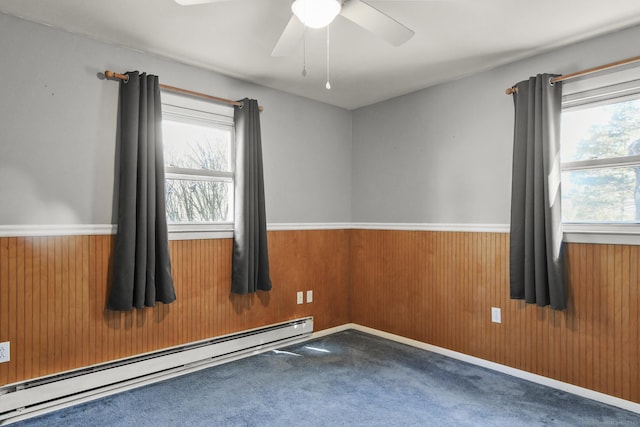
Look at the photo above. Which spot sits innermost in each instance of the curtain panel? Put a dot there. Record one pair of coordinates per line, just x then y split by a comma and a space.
250, 259
536, 262
141, 262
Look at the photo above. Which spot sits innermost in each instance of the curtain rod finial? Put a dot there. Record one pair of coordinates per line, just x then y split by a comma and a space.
112, 75
511, 90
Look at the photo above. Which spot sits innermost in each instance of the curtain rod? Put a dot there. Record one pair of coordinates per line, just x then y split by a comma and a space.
514, 89
112, 75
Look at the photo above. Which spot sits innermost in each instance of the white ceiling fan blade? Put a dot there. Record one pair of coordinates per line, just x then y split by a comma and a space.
193, 2
370, 18
289, 38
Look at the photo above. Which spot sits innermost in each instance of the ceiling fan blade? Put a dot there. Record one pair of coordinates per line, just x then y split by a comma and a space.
370, 18
193, 2
289, 38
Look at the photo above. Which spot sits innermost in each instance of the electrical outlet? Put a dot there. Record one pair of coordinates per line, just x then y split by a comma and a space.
5, 352
300, 297
496, 315
309, 296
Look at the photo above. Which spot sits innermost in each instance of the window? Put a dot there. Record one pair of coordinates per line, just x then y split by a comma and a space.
600, 149
198, 140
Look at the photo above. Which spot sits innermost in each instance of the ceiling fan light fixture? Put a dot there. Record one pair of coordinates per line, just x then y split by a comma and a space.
316, 13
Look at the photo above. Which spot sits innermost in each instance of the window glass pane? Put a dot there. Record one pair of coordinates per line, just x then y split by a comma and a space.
199, 201
601, 195
602, 131
193, 146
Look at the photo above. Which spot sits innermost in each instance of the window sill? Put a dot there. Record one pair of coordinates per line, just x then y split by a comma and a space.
606, 234
200, 231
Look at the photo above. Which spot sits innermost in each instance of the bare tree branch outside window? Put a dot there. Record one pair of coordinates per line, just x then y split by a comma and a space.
197, 199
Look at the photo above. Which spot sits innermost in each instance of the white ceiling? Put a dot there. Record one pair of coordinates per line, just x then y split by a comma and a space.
452, 38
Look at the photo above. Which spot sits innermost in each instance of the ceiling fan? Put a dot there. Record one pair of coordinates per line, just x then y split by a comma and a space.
320, 13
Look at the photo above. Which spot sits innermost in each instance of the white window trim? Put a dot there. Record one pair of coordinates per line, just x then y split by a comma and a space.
611, 162
609, 234
200, 231
197, 111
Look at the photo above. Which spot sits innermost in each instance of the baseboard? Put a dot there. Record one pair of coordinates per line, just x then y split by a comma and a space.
331, 331
47, 394
559, 385
518, 373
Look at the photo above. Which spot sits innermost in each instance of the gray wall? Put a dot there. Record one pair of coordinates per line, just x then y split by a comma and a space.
58, 127
443, 154
440, 155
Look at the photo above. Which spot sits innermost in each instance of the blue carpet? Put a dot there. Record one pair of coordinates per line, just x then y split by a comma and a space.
345, 379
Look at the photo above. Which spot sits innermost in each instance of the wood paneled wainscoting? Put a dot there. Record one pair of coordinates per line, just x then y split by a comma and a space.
53, 294
439, 287
432, 286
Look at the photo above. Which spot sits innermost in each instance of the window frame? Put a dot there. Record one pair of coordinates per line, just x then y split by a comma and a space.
187, 109
607, 88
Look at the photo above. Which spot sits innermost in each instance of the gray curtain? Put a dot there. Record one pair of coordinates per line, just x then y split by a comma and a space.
536, 263
250, 263
141, 264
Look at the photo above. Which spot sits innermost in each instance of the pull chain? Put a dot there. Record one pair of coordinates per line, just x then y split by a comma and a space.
328, 85
304, 52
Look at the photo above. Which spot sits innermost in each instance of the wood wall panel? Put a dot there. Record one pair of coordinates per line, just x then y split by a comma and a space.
53, 292
439, 287
435, 287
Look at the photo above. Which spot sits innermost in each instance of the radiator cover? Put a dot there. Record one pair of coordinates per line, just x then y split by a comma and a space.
34, 397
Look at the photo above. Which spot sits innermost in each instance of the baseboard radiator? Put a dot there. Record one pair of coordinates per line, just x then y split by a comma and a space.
30, 398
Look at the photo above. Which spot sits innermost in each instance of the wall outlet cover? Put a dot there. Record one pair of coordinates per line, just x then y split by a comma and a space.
5, 352
309, 296
299, 297
496, 315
